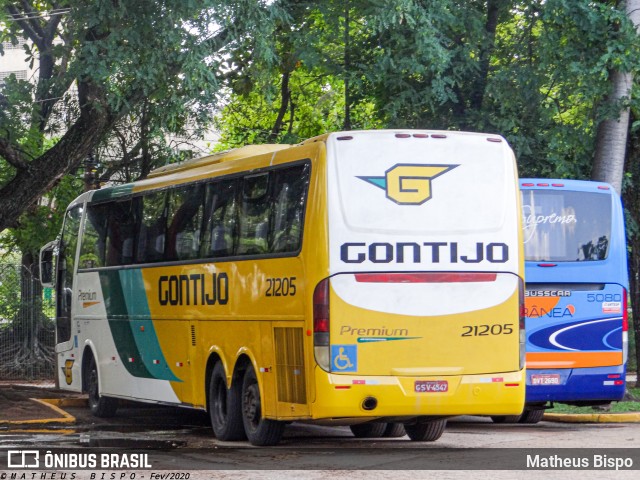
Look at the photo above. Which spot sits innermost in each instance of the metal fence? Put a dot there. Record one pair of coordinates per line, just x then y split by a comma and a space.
27, 326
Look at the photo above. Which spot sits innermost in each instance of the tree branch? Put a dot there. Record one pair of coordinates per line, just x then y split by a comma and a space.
43, 172
13, 156
27, 25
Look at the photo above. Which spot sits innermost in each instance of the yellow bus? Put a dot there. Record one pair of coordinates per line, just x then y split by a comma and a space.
369, 278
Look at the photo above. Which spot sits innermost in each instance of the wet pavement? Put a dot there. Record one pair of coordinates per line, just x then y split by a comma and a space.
182, 438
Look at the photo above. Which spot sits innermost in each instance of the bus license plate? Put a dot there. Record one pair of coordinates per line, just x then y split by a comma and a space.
424, 386
545, 379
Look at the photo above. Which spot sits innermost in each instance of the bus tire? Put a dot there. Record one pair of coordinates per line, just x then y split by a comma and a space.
532, 416
225, 406
428, 431
368, 430
506, 418
394, 430
260, 431
100, 406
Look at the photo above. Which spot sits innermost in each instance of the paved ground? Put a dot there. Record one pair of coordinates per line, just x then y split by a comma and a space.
16, 402
141, 427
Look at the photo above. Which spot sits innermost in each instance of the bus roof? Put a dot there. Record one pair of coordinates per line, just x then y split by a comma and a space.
559, 183
168, 174
227, 155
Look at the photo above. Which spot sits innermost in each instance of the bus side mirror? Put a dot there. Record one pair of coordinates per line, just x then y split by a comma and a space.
46, 264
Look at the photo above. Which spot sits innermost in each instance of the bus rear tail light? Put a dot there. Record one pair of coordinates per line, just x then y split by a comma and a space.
521, 322
625, 312
321, 324
625, 327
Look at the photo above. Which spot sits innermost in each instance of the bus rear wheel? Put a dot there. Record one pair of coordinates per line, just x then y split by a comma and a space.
394, 430
425, 431
225, 406
506, 418
100, 406
260, 431
368, 430
532, 416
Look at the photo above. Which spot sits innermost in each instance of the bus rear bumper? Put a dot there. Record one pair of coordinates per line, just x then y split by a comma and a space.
596, 384
352, 396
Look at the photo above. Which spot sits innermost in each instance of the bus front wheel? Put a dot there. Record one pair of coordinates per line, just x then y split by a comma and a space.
425, 431
224, 406
100, 406
260, 431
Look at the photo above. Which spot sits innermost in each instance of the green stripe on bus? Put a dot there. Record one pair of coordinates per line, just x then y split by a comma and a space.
142, 328
118, 319
112, 193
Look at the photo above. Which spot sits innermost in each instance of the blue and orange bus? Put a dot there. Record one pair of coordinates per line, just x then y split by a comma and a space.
576, 294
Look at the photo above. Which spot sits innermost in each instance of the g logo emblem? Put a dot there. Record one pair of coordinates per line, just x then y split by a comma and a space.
408, 184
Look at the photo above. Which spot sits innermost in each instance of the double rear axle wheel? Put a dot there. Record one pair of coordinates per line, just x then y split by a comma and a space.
236, 413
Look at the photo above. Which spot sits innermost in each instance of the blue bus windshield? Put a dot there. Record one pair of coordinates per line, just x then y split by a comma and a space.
566, 226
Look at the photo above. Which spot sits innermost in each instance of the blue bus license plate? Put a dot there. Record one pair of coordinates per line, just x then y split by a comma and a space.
545, 379
425, 386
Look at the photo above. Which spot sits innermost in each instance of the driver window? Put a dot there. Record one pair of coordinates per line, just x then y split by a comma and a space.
66, 271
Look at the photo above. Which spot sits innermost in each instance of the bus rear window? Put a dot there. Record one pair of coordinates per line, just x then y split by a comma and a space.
566, 226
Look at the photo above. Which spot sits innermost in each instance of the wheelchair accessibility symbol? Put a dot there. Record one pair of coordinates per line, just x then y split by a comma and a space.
344, 358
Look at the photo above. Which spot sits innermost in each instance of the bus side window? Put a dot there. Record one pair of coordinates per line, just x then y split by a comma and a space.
219, 239
92, 249
185, 215
121, 229
289, 194
254, 215
153, 228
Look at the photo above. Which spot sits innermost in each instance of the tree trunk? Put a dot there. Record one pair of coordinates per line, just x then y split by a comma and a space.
494, 8
31, 182
632, 207
285, 95
611, 140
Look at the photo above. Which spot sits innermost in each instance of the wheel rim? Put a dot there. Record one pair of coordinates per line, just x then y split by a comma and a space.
251, 405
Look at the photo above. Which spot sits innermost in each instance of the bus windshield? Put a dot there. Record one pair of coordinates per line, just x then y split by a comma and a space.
566, 226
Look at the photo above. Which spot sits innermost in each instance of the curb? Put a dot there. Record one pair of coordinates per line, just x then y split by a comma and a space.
54, 404
631, 417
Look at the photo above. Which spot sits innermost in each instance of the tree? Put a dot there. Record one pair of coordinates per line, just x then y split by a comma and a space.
531, 71
312, 86
611, 142
611, 153
28, 336
101, 65
117, 55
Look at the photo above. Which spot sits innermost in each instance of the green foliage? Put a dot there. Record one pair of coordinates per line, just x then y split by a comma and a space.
9, 301
41, 223
156, 66
319, 104
539, 76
